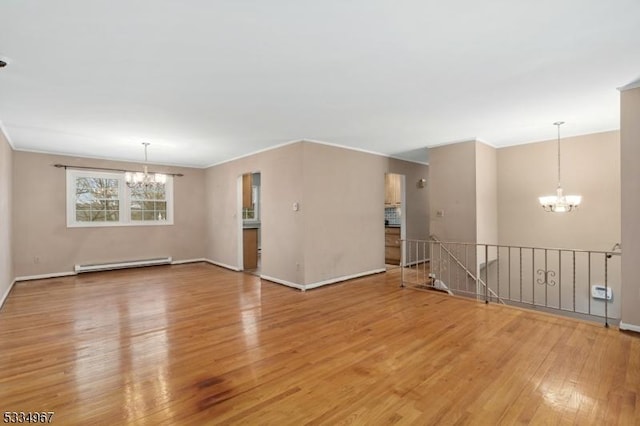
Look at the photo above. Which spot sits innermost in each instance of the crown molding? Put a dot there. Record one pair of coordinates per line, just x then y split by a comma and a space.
3, 130
630, 86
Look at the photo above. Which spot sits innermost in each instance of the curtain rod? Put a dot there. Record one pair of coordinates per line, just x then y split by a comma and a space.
68, 166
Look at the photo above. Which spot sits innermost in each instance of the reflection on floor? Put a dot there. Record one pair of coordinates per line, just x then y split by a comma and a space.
258, 270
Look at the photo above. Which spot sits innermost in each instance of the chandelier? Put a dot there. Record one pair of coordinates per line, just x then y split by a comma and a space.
144, 179
559, 203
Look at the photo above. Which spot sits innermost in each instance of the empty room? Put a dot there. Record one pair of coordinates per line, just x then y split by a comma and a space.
330, 213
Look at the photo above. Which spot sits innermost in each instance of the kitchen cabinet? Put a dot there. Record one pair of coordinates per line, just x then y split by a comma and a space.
250, 248
392, 190
392, 245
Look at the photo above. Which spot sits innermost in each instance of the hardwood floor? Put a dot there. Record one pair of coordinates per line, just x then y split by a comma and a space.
196, 344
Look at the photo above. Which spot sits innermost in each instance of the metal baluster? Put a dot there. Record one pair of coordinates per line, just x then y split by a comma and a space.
574, 281
417, 269
546, 276
431, 262
520, 274
407, 264
560, 279
509, 269
498, 269
424, 262
439, 260
404, 246
449, 262
533, 274
456, 273
457, 267
589, 281
466, 265
606, 291
486, 274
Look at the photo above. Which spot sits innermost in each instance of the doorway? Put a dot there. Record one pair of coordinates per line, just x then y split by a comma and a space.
394, 219
250, 232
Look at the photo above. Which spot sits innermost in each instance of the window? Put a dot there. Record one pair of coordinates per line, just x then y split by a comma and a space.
104, 199
149, 204
96, 199
252, 214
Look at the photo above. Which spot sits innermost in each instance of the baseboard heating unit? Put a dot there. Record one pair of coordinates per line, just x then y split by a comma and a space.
93, 267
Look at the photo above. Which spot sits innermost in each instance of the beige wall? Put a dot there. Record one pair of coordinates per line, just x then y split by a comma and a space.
281, 227
6, 178
590, 167
339, 228
486, 194
344, 212
630, 173
452, 176
43, 244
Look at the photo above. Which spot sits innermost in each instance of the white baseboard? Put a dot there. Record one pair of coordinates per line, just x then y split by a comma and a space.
6, 293
45, 276
223, 265
343, 278
67, 274
181, 262
630, 327
283, 282
317, 284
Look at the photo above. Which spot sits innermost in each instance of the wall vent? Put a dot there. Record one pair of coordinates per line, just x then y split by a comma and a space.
121, 265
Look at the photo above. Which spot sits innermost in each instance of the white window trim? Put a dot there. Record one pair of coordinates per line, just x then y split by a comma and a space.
125, 201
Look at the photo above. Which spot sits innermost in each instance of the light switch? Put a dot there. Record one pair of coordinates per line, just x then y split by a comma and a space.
440, 213
296, 207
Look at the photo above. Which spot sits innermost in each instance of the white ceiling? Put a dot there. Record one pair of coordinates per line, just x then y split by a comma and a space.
205, 81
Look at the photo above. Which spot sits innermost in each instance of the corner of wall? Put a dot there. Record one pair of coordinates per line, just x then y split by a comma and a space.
630, 200
7, 276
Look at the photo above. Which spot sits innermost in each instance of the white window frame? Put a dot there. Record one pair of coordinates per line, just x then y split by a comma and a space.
124, 196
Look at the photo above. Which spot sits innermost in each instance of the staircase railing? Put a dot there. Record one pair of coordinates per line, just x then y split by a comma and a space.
574, 282
438, 283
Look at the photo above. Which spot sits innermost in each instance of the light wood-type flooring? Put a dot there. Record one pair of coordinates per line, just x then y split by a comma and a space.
197, 344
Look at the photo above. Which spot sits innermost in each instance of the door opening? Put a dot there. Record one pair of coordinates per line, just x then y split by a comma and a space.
249, 241
394, 219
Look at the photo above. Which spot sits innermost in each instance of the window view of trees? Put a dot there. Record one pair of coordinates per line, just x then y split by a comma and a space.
149, 203
97, 200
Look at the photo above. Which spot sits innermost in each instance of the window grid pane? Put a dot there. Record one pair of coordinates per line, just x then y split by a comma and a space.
149, 204
97, 199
